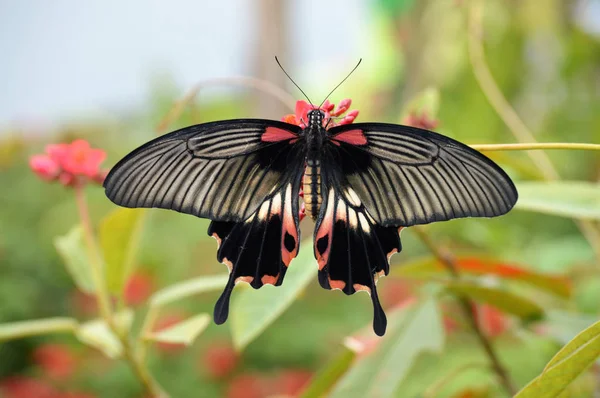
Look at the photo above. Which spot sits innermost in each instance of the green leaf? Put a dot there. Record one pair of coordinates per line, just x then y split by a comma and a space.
253, 310
329, 375
380, 372
119, 237
572, 360
183, 332
185, 289
429, 267
17, 330
71, 248
97, 333
576, 199
502, 299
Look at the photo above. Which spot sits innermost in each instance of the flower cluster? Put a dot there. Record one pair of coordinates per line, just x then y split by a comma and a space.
332, 113
73, 164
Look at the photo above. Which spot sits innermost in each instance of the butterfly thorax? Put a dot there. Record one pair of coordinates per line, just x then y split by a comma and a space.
311, 183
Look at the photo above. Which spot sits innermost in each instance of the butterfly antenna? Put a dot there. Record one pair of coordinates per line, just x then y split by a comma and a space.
346, 78
292, 80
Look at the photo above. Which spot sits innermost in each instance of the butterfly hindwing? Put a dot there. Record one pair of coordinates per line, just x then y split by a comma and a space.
220, 170
352, 250
407, 176
259, 249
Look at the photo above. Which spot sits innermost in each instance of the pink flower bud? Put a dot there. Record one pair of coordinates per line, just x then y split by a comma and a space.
342, 107
46, 168
327, 106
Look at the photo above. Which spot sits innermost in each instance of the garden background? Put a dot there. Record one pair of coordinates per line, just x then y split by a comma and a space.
99, 301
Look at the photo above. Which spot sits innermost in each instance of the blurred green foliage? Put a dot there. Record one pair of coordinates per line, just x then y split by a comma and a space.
545, 64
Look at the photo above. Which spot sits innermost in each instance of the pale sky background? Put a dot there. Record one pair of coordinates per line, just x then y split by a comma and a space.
63, 58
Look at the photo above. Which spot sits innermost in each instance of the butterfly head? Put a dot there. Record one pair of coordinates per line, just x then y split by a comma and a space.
315, 117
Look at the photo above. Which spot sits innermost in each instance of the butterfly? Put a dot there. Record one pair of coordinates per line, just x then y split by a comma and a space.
361, 184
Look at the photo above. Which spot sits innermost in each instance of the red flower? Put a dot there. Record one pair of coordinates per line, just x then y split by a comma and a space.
491, 320
25, 387
219, 360
302, 108
291, 382
138, 289
70, 164
56, 360
422, 121
246, 386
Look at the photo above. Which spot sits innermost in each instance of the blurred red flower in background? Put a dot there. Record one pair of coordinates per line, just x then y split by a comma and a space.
26, 387
491, 320
71, 164
56, 360
287, 383
300, 117
138, 288
422, 121
219, 360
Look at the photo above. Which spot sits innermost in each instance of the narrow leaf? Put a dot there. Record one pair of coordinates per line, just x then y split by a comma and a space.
429, 267
71, 248
119, 237
572, 360
329, 375
17, 330
183, 332
97, 334
380, 372
253, 310
186, 289
576, 199
502, 299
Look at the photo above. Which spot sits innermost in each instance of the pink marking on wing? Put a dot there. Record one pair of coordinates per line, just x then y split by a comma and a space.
274, 134
289, 227
269, 280
352, 137
245, 279
337, 284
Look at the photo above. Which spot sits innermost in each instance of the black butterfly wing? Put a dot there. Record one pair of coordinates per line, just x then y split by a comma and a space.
378, 178
244, 175
405, 175
259, 249
220, 170
351, 248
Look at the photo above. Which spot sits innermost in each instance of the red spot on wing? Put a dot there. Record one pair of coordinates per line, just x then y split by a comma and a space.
274, 134
352, 137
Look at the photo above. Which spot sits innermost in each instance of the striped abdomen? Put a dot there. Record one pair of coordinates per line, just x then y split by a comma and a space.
312, 188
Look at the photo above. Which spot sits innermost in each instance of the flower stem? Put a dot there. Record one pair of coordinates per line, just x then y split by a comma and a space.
535, 146
102, 295
253, 82
466, 304
103, 298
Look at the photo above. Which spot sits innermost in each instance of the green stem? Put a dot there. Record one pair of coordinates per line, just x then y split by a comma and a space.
103, 297
447, 260
536, 146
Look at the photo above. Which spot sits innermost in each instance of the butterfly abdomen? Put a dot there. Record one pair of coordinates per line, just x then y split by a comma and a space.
311, 185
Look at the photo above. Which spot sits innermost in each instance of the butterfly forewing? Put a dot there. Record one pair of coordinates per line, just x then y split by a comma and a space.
407, 176
221, 170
